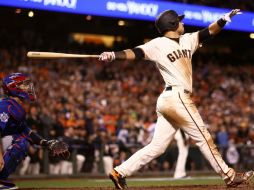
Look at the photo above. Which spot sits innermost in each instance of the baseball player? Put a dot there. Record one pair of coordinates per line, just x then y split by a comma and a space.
172, 53
19, 89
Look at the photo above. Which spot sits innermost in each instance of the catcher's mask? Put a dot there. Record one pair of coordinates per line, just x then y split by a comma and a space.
168, 21
19, 85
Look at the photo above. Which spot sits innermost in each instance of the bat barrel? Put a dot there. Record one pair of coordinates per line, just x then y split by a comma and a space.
54, 55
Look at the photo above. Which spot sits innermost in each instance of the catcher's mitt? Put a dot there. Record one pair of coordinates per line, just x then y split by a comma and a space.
58, 149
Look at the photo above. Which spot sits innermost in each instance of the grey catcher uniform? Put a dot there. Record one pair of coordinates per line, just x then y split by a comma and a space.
172, 53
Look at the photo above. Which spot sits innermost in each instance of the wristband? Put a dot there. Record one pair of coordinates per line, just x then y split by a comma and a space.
221, 22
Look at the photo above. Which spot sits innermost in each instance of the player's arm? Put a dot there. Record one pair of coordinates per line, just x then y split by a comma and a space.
56, 147
215, 27
35, 138
32, 136
128, 54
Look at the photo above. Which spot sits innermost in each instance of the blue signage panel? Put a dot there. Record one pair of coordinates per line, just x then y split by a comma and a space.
138, 9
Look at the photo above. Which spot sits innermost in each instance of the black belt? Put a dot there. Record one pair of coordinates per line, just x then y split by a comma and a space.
168, 88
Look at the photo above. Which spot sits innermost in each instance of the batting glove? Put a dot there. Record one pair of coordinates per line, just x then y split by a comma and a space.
227, 17
107, 56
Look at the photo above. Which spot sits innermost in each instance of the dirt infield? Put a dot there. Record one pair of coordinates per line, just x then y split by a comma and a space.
187, 187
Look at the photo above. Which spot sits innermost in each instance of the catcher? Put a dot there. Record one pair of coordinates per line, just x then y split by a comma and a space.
19, 89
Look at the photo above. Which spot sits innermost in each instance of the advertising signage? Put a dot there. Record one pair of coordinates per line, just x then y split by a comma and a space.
195, 15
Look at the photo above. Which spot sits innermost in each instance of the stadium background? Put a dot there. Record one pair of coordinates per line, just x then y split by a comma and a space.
94, 106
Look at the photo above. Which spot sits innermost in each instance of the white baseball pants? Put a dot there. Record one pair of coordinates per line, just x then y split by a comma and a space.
176, 110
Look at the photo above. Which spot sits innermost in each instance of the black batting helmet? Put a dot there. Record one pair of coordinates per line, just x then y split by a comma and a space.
168, 21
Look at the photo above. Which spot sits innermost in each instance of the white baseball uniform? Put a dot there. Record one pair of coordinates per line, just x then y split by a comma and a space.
175, 107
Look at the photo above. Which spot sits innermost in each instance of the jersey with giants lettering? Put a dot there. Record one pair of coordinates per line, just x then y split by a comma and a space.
173, 59
12, 118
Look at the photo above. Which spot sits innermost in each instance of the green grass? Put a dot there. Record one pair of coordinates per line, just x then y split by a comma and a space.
67, 183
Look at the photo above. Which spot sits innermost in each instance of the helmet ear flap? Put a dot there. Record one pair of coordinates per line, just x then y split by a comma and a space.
174, 25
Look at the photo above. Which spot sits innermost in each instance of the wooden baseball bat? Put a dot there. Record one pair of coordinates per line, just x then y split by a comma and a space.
54, 55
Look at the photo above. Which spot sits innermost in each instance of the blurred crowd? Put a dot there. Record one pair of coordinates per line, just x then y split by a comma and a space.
106, 111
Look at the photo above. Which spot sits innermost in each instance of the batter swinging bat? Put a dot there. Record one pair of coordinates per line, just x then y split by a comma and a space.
54, 55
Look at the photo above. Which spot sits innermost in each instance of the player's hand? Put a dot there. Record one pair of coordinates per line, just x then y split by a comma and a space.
1, 162
107, 56
227, 17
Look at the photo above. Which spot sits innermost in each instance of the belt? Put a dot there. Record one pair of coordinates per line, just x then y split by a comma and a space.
168, 88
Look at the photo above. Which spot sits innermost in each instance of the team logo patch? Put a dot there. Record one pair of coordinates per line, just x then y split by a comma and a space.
4, 117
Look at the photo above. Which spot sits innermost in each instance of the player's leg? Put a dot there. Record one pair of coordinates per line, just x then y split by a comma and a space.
66, 167
193, 125
13, 156
25, 166
164, 133
183, 150
35, 168
80, 161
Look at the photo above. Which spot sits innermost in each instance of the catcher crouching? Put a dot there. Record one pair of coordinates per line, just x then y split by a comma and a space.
19, 89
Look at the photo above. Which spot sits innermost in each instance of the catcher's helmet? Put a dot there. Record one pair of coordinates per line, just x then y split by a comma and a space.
168, 21
19, 85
